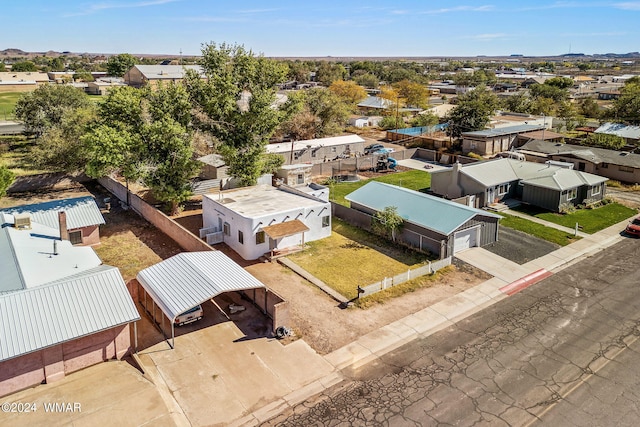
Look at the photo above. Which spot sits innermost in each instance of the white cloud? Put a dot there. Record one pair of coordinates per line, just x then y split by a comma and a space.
97, 7
484, 8
629, 5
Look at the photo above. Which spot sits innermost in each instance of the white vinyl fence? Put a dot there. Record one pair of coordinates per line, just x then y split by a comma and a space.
388, 282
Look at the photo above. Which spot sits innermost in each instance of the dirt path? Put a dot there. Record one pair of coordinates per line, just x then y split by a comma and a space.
318, 319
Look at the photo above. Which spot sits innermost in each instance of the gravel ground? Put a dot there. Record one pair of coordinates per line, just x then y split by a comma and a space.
519, 247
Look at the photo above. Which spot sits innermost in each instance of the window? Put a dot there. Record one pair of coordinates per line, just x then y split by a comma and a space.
503, 189
326, 221
474, 145
604, 165
75, 237
333, 149
226, 229
240, 237
259, 237
572, 194
300, 179
595, 190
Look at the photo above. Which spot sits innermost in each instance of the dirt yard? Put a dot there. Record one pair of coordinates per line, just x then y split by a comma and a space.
130, 243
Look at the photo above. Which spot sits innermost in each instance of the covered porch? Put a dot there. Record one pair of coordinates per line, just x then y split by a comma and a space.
278, 232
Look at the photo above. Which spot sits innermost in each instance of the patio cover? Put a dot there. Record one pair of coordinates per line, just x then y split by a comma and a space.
285, 229
191, 278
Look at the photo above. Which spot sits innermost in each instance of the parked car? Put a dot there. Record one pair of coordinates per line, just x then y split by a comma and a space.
633, 228
371, 148
192, 315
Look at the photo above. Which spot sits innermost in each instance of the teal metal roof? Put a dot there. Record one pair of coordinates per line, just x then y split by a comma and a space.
434, 213
81, 212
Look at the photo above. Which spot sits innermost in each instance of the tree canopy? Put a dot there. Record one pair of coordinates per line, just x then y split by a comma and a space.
349, 91
235, 104
626, 108
388, 222
472, 112
45, 106
6, 179
118, 65
24, 66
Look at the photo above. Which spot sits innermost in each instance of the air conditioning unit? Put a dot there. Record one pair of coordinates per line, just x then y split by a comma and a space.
22, 221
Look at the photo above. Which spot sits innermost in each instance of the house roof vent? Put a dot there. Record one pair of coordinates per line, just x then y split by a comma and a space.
22, 221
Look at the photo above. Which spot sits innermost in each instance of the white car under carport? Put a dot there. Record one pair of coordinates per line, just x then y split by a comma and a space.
188, 279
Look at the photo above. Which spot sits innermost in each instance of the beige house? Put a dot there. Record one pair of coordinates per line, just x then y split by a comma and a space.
21, 81
103, 86
143, 75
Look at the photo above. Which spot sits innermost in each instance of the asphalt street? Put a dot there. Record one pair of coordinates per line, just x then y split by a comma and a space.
562, 352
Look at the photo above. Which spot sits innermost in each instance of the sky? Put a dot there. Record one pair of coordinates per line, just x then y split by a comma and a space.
323, 28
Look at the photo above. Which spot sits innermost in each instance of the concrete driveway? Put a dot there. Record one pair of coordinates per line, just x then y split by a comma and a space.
225, 366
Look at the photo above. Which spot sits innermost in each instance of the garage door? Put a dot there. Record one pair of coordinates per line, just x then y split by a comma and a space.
465, 239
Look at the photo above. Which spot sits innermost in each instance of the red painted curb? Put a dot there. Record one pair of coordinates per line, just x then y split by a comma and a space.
525, 282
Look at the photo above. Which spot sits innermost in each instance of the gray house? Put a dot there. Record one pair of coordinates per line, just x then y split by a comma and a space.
544, 185
488, 142
431, 223
618, 165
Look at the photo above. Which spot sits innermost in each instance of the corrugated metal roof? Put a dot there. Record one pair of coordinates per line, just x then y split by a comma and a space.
81, 212
191, 278
375, 102
624, 131
434, 213
60, 311
508, 130
155, 72
286, 147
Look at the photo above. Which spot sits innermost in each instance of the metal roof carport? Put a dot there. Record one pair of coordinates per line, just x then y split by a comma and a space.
191, 278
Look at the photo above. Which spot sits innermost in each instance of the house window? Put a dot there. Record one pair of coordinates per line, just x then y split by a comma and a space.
240, 237
325, 221
572, 194
75, 237
333, 149
226, 229
313, 153
604, 165
595, 190
300, 178
625, 169
473, 145
503, 189
259, 237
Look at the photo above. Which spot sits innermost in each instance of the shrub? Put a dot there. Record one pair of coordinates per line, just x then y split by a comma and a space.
567, 208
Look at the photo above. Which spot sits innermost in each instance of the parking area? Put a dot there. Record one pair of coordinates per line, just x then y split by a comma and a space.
519, 247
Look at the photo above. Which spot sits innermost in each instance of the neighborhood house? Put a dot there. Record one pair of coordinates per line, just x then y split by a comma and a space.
547, 185
432, 224
264, 220
318, 150
62, 309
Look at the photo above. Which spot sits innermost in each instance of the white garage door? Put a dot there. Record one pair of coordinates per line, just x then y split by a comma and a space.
465, 239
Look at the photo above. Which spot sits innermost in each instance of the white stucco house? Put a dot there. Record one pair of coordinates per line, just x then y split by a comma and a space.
264, 220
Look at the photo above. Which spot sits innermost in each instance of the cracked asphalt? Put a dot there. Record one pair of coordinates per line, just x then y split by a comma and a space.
562, 352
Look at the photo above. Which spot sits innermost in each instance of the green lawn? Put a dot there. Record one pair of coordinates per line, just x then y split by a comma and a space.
591, 220
414, 180
352, 257
538, 230
7, 105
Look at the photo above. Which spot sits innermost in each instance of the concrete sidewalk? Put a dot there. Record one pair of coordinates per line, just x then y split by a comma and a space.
441, 315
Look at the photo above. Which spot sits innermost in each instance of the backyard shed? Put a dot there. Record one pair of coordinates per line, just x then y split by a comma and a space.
430, 223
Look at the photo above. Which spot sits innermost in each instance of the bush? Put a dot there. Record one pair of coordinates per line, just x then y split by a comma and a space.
567, 208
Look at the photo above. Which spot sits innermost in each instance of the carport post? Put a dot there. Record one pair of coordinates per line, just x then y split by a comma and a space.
135, 336
173, 336
266, 292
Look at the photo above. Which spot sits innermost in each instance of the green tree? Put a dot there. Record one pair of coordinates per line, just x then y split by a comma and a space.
329, 72
82, 75
626, 108
61, 147
392, 122
388, 222
118, 65
367, 80
605, 140
589, 107
350, 92
24, 66
472, 112
413, 94
556, 93
568, 112
6, 179
45, 106
331, 111
520, 102
243, 128
56, 64
425, 119
2, 67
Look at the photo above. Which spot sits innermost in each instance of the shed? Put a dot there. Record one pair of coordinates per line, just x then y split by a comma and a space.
438, 225
188, 279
